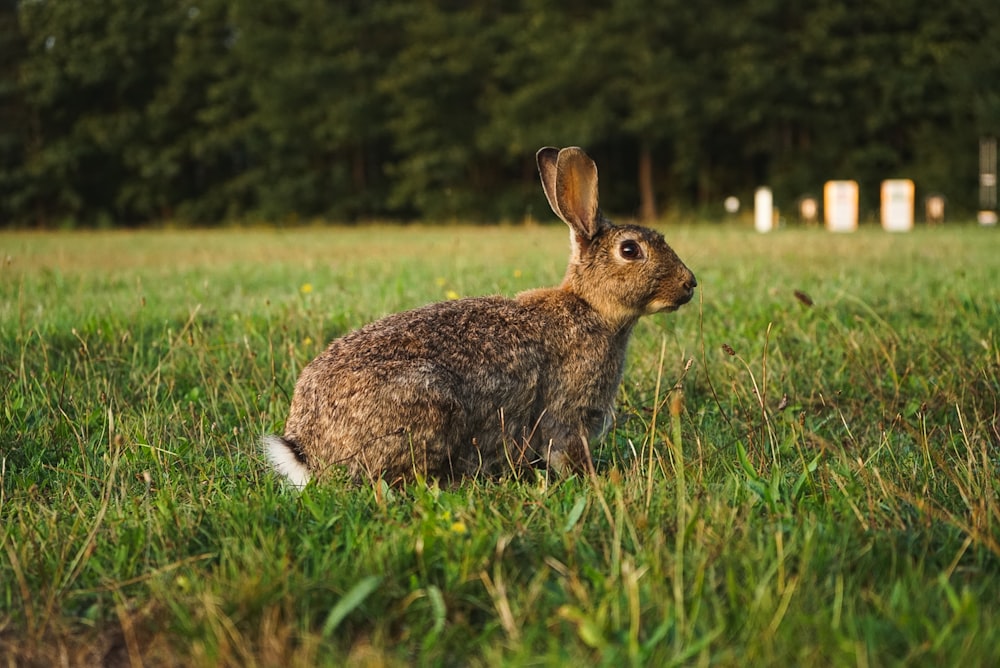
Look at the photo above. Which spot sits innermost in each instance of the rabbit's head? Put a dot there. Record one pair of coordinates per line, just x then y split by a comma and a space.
623, 272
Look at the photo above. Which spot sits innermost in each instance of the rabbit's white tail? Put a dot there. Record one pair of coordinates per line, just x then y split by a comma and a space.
286, 461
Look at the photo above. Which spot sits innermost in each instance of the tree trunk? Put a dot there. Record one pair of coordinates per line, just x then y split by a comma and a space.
647, 194
358, 169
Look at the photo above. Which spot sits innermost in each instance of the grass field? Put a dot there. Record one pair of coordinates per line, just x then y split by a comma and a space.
805, 469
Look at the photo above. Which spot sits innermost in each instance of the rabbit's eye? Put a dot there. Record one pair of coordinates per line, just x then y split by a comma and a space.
630, 250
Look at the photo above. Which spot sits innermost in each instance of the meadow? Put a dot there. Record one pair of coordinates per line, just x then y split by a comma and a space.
805, 469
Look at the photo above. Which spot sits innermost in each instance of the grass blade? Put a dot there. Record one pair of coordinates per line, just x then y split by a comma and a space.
575, 513
347, 604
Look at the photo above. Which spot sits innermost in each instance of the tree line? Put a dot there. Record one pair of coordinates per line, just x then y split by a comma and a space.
117, 112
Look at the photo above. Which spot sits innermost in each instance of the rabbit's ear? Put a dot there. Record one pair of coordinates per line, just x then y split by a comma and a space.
569, 179
576, 192
547, 158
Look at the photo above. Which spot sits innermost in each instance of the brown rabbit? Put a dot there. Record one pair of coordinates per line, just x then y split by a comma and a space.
488, 385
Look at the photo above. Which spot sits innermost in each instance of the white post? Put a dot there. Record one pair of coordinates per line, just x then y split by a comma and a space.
897, 205
840, 205
763, 209
934, 209
987, 181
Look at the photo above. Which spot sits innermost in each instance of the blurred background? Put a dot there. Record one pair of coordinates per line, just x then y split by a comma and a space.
203, 112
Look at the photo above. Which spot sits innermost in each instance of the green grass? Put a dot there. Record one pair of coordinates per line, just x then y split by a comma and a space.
786, 485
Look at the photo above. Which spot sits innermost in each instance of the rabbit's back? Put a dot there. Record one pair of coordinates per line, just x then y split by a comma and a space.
454, 389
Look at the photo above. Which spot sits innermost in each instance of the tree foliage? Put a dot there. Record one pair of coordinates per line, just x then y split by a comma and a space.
122, 112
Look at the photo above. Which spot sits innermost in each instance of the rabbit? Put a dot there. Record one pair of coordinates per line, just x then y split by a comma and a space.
488, 386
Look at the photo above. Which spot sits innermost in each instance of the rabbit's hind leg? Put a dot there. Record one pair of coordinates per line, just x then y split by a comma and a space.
413, 432
565, 447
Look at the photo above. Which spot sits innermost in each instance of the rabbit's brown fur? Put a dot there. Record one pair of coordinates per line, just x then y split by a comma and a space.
489, 385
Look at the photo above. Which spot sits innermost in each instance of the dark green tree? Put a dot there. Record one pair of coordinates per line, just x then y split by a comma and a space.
91, 68
318, 121
197, 123
122, 112
437, 85
14, 114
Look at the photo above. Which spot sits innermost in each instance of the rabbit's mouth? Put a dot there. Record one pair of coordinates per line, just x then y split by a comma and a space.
664, 306
673, 302
684, 299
